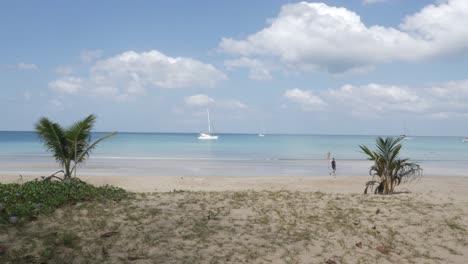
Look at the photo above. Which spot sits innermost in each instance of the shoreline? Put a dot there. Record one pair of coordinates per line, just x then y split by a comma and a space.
448, 186
232, 168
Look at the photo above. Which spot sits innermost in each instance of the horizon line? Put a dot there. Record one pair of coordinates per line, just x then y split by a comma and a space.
253, 133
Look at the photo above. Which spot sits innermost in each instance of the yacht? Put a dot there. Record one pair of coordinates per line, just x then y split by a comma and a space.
208, 136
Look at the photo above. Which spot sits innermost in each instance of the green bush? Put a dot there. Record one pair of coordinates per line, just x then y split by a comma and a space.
23, 202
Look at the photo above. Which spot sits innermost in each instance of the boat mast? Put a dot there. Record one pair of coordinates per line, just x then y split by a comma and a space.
209, 123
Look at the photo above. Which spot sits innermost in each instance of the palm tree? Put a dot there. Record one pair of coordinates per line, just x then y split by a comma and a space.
70, 146
390, 169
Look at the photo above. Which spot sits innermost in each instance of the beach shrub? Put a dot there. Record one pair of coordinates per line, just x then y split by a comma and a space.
23, 202
70, 146
389, 169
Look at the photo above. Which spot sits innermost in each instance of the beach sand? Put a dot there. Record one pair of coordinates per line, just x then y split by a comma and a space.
325, 219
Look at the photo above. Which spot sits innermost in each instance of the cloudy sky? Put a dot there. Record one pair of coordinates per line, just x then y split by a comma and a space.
331, 67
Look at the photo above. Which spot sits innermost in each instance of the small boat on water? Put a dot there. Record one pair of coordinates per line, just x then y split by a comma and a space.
261, 135
465, 139
208, 136
404, 135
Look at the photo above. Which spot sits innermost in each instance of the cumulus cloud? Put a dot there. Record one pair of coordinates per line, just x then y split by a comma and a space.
67, 85
156, 69
130, 74
198, 100
90, 55
205, 100
442, 100
26, 66
258, 70
376, 99
307, 99
315, 36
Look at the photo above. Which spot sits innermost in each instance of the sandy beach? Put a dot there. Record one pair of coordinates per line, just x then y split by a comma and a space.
260, 220
443, 186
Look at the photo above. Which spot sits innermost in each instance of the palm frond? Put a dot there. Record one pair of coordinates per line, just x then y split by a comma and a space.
388, 166
92, 146
53, 137
79, 135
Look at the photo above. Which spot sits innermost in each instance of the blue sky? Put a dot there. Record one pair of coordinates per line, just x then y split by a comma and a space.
331, 67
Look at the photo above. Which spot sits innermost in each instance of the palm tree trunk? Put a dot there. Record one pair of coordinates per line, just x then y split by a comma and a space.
67, 175
386, 185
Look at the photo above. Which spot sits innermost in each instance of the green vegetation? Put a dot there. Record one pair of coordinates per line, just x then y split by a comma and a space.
390, 169
70, 146
22, 202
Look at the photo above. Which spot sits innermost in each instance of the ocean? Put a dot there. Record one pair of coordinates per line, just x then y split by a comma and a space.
182, 154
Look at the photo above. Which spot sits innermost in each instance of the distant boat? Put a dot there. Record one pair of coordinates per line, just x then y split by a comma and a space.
208, 136
405, 133
405, 137
262, 134
465, 139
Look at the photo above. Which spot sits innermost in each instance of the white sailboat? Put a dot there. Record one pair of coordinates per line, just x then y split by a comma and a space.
405, 135
262, 134
208, 136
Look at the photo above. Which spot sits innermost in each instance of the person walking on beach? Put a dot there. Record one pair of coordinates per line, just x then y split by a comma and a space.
333, 164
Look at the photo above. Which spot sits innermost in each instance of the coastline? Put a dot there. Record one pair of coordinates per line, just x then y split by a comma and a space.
450, 186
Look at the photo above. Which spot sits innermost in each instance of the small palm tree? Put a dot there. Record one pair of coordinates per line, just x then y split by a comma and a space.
390, 169
70, 146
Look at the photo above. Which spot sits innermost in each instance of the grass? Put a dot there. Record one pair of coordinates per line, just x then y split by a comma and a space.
240, 227
20, 203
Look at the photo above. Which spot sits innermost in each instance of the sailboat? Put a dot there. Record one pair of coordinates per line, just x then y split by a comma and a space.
405, 135
208, 136
262, 134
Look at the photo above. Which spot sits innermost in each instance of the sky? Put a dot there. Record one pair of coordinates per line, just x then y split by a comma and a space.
364, 67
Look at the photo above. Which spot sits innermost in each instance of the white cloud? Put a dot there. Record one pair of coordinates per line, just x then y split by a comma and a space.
67, 85
306, 99
442, 100
90, 55
198, 100
26, 66
65, 70
130, 74
367, 2
258, 70
315, 36
205, 100
155, 69
234, 104
376, 99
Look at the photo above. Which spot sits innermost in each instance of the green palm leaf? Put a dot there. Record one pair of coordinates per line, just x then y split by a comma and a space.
53, 137
71, 145
388, 166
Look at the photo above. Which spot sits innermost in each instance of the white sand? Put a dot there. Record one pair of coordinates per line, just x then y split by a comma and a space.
444, 186
427, 223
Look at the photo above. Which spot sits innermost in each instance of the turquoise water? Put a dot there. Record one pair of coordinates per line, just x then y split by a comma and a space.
232, 154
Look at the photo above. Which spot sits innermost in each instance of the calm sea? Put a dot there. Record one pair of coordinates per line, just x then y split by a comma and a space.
232, 154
